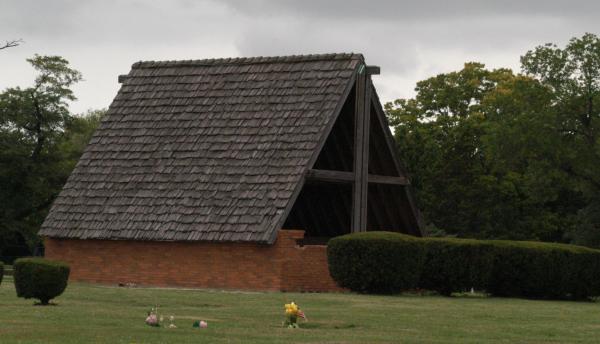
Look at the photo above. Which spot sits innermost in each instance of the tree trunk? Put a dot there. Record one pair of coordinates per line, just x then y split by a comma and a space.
39, 144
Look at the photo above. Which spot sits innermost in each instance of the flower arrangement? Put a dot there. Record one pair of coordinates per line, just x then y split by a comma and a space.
171, 322
292, 313
200, 324
154, 319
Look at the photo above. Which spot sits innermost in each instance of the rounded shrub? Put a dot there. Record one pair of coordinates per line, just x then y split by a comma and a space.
40, 279
376, 262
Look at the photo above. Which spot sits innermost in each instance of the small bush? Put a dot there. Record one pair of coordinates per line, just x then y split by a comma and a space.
375, 262
40, 278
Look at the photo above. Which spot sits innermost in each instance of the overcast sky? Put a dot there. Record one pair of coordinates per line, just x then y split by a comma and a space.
410, 40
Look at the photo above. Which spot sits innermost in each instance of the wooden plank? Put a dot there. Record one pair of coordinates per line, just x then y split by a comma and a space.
376, 209
381, 160
377, 179
339, 143
348, 177
364, 173
346, 133
272, 236
373, 70
385, 204
336, 113
398, 164
393, 209
337, 201
309, 215
358, 150
389, 138
330, 176
420, 222
361, 151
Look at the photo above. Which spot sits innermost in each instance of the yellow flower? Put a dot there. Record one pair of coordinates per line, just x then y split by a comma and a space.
291, 309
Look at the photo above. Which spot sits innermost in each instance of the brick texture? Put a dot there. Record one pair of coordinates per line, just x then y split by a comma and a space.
281, 266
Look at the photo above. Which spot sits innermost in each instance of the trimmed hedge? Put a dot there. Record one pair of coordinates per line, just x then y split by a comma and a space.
544, 270
377, 262
455, 265
447, 265
40, 279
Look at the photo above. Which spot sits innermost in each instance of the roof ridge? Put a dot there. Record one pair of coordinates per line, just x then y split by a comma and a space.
249, 60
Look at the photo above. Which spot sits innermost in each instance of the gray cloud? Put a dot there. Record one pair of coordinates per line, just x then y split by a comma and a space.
393, 10
409, 40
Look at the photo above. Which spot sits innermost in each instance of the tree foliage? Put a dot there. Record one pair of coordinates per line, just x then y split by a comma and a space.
494, 154
40, 142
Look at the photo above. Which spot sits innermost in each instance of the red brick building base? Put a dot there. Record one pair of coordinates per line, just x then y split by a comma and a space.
282, 266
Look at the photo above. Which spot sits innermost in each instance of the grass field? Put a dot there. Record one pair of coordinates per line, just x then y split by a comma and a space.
95, 314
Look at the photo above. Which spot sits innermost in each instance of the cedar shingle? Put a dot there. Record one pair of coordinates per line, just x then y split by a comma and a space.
202, 149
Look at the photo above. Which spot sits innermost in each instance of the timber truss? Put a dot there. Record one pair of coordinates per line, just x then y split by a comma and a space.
356, 181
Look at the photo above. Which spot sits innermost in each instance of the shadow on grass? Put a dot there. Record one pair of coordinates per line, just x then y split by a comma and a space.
328, 326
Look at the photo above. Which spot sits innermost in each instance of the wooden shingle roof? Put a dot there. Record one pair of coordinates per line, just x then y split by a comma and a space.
203, 149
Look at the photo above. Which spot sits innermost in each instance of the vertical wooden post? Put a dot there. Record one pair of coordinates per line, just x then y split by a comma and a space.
362, 118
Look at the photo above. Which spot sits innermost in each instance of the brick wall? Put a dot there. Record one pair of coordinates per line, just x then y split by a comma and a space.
281, 266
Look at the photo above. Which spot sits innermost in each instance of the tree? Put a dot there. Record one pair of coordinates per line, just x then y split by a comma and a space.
573, 76
78, 131
11, 43
499, 155
40, 142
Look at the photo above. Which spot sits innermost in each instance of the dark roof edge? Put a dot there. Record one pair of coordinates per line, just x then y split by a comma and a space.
248, 60
401, 169
380, 112
271, 234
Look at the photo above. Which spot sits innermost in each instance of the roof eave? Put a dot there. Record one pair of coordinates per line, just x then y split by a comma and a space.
271, 234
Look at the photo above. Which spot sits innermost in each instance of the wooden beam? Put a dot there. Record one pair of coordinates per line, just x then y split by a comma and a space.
330, 176
336, 114
389, 138
399, 166
385, 205
364, 173
357, 199
271, 235
373, 70
362, 118
376, 209
349, 177
377, 179
347, 132
337, 201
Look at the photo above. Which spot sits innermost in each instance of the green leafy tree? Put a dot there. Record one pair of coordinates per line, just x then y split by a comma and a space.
573, 76
499, 155
442, 134
77, 133
40, 142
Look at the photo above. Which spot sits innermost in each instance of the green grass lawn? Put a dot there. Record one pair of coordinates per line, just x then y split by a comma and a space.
95, 314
